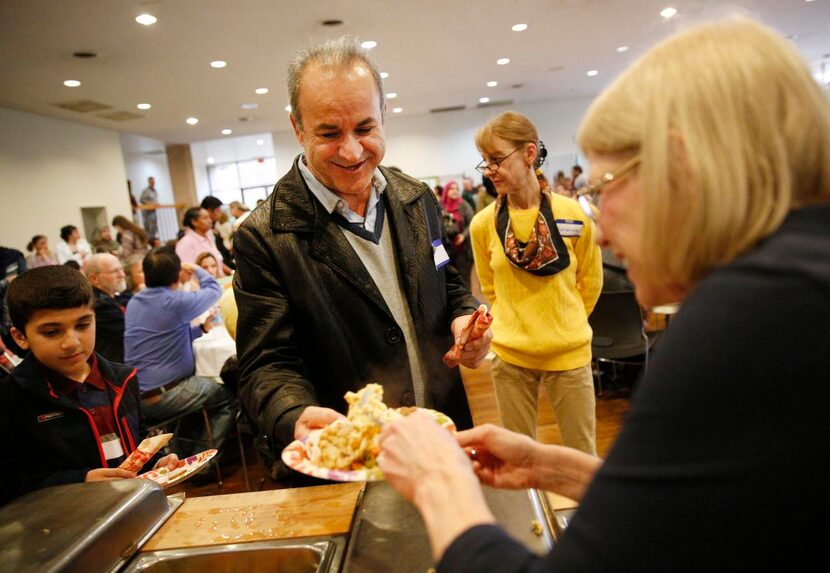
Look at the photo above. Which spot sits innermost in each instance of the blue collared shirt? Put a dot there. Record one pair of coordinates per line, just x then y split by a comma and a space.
333, 203
158, 338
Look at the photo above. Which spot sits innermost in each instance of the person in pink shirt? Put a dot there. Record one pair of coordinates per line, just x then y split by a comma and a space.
198, 238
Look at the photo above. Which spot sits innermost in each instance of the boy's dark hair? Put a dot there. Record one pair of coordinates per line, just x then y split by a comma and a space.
51, 287
191, 215
210, 202
161, 267
73, 264
66, 231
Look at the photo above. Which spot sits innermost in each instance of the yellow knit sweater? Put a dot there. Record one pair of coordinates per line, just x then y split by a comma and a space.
540, 322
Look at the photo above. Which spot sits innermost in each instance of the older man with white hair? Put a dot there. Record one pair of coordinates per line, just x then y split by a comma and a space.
106, 275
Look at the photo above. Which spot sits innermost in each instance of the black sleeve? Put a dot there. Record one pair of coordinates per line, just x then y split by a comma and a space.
16, 477
274, 383
715, 466
488, 548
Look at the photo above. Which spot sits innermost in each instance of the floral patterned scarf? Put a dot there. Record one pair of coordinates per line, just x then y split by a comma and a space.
545, 252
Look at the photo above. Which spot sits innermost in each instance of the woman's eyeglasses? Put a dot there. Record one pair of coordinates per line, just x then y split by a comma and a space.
494, 166
584, 195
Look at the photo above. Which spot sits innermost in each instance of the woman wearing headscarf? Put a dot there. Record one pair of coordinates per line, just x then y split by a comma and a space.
457, 217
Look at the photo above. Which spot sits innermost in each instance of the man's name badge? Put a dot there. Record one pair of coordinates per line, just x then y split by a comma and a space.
439, 254
569, 227
111, 446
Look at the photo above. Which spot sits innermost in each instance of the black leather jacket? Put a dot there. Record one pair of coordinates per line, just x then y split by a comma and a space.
313, 324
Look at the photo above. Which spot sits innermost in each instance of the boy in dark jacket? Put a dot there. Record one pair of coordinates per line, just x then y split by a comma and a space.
66, 414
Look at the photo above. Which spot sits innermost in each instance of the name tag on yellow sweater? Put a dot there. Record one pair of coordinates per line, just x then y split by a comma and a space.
569, 227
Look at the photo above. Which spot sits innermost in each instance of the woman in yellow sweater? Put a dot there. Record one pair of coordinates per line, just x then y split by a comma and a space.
541, 271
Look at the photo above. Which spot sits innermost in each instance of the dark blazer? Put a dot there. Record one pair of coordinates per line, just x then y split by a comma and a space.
313, 324
47, 439
109, 327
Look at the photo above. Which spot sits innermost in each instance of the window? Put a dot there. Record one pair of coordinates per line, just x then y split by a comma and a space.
246, 181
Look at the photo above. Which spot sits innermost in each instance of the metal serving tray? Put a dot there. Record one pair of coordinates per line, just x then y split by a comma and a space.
389, 534
81, 527
312, 555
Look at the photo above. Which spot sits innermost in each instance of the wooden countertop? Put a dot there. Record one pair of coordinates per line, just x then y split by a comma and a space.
258, 516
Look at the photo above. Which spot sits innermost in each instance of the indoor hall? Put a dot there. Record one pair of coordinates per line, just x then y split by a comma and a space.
100, 97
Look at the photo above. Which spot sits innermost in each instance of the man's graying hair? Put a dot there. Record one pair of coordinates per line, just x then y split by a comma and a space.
332, 55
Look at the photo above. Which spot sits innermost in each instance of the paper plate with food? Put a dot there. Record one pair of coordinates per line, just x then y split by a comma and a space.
347, 450
184, 469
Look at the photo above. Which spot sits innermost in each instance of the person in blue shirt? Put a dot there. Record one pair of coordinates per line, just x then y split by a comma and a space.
158, 341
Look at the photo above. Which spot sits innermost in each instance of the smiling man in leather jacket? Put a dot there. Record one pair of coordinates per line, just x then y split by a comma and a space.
342, 279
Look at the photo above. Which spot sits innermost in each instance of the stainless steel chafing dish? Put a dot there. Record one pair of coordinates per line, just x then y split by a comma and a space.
101, 526
81, 527
389, 534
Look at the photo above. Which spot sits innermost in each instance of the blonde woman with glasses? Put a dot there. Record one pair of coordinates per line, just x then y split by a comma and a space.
711, 160
541, 271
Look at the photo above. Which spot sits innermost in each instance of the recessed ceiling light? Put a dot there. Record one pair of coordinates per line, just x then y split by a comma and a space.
144, 106
260, 142
397, 109
71, 83
483, 100
519, 27
391, 95
218, 64
492, 84
249, 105
368, 44
668, 12
383, 75
622, 49
227, 131
288, 108
503, 61
146, 19
191, 121
210, 160
591, 73
261, 91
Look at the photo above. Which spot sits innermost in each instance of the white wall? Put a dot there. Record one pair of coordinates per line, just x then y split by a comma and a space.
49, 169
145, 157
443, 145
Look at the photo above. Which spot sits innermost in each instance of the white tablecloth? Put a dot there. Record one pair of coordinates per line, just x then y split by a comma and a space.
212, 349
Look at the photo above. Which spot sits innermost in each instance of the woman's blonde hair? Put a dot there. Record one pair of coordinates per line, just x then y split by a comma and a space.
511, 126
732, 132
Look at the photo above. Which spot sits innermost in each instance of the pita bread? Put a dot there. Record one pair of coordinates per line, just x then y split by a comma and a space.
145, 450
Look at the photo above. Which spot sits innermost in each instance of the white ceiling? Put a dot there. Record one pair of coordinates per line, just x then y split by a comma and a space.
438, 53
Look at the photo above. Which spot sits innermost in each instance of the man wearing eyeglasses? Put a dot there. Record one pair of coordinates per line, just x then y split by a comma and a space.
342, 277
106, 275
